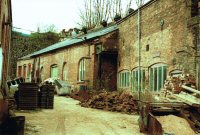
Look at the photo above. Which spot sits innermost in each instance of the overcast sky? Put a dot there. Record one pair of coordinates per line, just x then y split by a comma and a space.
29, 14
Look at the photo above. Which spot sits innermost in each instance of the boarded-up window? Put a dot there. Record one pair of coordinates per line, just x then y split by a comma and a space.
158, 75
54, 71
124, 79
134, 82
19, 71
29, 71
24, 71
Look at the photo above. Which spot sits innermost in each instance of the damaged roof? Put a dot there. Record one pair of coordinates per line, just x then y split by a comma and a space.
72, 41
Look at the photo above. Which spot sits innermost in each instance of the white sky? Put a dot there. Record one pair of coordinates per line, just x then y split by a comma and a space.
29, 14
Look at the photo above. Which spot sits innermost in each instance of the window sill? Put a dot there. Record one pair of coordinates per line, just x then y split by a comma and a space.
82, 82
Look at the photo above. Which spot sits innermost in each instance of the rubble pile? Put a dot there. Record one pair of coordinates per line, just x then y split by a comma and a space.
181, 89
81, 95
174, 84
112, 101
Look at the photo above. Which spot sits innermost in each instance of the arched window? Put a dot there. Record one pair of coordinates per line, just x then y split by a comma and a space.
158, 75
54, 71
82, 69
65, 72
124, 79
134, 80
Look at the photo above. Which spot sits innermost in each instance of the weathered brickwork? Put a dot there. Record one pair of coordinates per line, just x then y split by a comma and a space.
168, 44
164, 29
69, 58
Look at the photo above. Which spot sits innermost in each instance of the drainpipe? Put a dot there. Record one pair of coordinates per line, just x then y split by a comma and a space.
139, 37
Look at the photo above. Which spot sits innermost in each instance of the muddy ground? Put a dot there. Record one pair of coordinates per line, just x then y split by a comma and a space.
68, 118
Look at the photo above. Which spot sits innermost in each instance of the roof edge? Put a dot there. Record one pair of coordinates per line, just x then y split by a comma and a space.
135, 11
32, 55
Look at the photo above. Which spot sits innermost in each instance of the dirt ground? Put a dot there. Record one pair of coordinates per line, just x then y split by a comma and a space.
68, 118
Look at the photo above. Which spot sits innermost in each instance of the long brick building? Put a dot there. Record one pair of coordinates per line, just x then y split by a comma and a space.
108, 57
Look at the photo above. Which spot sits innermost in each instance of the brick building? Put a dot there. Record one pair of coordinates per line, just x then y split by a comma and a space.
24, 44
108, 58
5, 40
168, 43
81, 60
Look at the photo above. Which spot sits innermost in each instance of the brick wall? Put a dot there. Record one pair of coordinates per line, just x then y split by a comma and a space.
69, 58
170, 43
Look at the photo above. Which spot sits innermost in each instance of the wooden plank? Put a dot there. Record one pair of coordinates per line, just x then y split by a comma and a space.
190, 89
188, 99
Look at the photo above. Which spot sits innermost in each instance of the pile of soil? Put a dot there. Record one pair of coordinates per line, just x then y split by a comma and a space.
112, 101
81, 95
175, 125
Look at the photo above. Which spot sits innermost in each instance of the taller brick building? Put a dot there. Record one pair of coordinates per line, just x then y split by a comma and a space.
168, 43
169, 46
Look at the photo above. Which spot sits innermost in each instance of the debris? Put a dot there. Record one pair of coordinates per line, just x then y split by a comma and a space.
175, 84
188, 99
81, 95
190, 89
112, 101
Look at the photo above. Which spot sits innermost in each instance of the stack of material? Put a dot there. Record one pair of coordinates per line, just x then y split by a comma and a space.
174, 84
46, 96
112, 101
28, 96
182, 89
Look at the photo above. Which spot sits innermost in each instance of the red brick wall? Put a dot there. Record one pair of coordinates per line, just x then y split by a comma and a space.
164, 41
71, 56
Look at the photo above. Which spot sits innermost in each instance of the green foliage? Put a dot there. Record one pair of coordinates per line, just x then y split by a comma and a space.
27, 44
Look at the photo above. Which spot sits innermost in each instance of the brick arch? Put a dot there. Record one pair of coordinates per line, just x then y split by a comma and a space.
157, 76
79, 64
141, 67
157, 63
52, 65
123, 70
63, 69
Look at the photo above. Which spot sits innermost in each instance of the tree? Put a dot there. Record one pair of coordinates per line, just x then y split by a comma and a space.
96, 11
47, 28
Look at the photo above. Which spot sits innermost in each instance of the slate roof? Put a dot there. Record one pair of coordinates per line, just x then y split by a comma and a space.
72, 41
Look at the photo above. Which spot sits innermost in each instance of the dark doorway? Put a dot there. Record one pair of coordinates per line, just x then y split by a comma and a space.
108, 72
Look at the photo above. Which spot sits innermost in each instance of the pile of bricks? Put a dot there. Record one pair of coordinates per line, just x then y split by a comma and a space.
28, 96
174, 84
112, 101
46, 96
